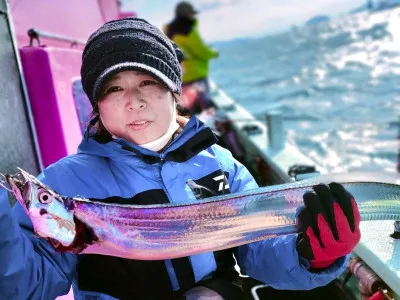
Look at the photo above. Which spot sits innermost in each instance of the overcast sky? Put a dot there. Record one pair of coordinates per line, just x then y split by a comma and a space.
228, 19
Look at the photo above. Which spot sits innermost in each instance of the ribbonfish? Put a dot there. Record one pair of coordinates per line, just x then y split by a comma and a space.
165, 231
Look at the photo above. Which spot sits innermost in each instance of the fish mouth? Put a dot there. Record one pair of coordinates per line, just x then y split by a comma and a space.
16, 180
19, 184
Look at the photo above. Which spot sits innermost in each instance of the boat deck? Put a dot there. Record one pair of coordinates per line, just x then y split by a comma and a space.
376, 248
381, 252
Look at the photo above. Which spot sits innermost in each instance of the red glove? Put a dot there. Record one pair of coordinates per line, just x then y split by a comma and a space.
379, 295
328, 225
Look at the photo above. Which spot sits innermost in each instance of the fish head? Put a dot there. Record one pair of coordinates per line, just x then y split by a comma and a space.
52, 218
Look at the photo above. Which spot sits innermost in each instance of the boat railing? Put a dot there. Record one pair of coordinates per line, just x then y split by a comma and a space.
35, 34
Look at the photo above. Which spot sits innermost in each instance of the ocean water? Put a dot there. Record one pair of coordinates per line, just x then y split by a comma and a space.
336, 84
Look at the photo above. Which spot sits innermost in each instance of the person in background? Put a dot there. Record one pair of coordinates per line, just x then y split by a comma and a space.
141, 148
183, 30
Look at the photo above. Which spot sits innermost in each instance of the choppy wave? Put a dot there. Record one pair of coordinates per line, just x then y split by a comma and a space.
337, 85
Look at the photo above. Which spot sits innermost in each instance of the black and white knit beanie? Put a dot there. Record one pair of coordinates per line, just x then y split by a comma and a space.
129, 44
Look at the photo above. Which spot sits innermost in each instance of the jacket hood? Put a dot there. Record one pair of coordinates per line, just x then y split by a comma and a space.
121, 147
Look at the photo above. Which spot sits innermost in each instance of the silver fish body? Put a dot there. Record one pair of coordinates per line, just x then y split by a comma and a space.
166, 231
45, 208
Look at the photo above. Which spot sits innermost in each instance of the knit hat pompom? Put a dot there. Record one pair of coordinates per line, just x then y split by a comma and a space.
129, 44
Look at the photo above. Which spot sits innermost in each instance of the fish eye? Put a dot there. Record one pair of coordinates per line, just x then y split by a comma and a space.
45, 197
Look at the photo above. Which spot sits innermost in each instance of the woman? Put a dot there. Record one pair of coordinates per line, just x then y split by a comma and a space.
140, 150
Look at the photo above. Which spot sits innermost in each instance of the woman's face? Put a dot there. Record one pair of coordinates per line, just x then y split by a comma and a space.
135, 106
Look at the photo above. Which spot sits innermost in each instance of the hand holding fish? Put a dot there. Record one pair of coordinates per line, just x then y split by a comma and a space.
329, 225
155, 232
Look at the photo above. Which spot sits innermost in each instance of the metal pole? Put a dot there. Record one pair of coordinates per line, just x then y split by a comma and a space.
275, 130
396, 233
398, 145
36, 34
24, 89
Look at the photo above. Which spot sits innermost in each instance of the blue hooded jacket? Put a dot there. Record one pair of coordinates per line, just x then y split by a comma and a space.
124, 172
